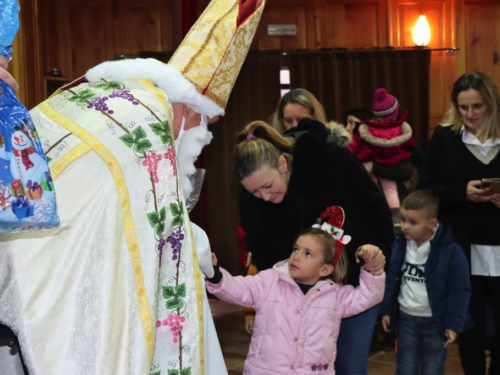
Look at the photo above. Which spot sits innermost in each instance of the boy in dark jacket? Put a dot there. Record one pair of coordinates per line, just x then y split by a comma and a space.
427, 289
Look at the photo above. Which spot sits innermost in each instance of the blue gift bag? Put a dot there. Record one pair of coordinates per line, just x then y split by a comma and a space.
27, 196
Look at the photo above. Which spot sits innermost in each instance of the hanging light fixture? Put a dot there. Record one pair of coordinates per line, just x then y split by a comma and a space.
422, 32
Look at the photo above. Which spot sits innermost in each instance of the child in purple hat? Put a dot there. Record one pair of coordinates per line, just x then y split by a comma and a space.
386, 140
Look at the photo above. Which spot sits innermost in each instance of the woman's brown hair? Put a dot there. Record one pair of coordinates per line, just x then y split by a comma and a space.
257, 145
490, 93
297, 96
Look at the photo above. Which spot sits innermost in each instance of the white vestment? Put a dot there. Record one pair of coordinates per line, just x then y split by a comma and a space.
117, 288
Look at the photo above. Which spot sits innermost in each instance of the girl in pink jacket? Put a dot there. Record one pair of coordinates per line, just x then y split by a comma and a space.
300, 302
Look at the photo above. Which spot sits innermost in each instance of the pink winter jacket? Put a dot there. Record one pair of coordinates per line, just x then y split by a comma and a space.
295, 333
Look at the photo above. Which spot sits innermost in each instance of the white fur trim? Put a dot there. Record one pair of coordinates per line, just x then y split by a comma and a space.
166, 77
365, 134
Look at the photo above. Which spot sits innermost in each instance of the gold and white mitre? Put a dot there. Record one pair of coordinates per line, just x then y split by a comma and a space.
212, 53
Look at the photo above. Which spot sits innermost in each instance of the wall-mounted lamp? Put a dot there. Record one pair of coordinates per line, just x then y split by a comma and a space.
422, 32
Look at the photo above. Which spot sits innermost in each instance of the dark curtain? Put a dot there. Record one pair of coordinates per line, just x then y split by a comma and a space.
189, 14
254, 97
346, 79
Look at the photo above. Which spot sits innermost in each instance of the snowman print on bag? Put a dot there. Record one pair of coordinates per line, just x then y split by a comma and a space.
26, 165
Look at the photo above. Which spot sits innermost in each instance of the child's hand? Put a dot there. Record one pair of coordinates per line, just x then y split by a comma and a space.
214, 260
374, 258
386, 322
452, 337
367, 252
249, 325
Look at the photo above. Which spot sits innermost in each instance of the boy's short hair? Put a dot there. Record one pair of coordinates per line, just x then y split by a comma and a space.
422, 200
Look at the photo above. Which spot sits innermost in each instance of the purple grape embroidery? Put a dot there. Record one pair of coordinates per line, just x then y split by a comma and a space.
160, 247
99, 104
175, 239
124, 94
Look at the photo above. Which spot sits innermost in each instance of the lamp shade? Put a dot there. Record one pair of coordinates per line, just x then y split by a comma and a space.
422, 32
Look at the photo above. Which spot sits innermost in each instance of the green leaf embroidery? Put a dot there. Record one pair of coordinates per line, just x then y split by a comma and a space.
159, 229
173, 372
180, 290
163, 130
137, 139
139, 133
82, 96
143, 145
153, 218
163, 214
168, 292
156, 373
174, 209
174, 303
108, 86
48, 159
178, 221
157, 220
128, 139
174, 295
186, 371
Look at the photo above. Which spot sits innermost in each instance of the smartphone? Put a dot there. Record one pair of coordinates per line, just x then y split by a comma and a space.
492, 183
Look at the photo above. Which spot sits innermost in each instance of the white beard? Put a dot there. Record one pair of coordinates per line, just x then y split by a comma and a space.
188, 147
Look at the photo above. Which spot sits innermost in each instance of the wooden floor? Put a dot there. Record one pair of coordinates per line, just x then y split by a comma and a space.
234, 342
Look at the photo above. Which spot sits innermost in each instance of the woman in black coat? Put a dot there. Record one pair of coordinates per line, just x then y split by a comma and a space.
462, 151
288, 183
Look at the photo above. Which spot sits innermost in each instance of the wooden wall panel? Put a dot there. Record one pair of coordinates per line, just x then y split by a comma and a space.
76, 35
298, 12
91, 37
482, 30
25, 65
353, 23
440, 16
142, 26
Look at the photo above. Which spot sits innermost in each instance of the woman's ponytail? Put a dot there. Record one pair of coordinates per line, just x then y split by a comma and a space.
258, 144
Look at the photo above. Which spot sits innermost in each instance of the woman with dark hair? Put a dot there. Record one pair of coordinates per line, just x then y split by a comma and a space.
462, 151
354, 116
287, 183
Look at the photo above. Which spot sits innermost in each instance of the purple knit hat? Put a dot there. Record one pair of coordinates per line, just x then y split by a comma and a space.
385, 106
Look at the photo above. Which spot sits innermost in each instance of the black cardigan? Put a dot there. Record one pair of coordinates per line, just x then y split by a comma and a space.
448, 167
323, 175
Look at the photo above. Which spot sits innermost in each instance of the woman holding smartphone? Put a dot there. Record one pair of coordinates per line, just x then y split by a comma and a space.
462, 151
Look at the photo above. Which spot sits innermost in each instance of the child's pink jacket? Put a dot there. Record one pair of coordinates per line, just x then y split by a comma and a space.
296, 333
386, 143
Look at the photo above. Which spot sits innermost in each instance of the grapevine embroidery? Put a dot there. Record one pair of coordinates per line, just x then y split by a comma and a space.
140, 145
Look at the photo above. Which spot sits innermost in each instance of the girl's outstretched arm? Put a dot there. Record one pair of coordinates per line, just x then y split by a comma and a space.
247, 291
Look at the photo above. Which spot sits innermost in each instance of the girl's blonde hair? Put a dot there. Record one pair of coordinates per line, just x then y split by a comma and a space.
491, 96
257, 145
297, 96
330, 248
